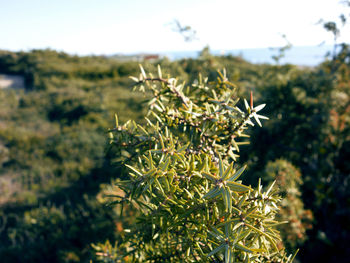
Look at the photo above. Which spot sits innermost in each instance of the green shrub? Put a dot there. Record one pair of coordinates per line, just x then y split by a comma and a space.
289, 181
183, 181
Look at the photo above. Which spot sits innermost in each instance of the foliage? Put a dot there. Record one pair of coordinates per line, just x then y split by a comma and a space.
311, 110
288, 180
183, 181
50, 158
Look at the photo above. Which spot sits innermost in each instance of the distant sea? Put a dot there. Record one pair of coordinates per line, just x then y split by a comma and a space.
303, 56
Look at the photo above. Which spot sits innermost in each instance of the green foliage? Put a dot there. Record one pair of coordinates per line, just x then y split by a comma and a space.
183, 181
50, 157
289, 181
310, 108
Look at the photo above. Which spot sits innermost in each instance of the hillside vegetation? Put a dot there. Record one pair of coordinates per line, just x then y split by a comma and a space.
55, 161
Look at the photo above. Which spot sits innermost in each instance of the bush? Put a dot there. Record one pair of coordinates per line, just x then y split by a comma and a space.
184, 184
288, 179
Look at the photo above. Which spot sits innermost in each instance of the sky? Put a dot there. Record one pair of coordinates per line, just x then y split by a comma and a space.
87, 27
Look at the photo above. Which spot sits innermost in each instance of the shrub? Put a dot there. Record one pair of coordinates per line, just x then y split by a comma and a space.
288, 179
184, 183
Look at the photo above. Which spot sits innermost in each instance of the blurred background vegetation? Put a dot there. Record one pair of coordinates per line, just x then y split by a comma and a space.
55, 162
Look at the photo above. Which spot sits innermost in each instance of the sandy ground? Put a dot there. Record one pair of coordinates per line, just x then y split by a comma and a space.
11, 81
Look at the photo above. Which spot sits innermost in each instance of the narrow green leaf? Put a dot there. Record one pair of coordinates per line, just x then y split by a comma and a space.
228, 258
216, 250
150, 172
188, 251
237, 174
188, 193
272, 241
134, 79
180, 157
134, 170
242, 247
159, 71
227, 229
142, 129
229, 199
250, 211
209, 176
238, 187
156, 116
221, 167
294, 255
116, 120
142, 71
160, 187
161, 142
183, 148
212, 193
225, 198
166, 182
228, 171
165, 164
150, 160
270, 188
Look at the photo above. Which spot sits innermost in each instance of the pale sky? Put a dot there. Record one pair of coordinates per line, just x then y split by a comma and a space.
130, 26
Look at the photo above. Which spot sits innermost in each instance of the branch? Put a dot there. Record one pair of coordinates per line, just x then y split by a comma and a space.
183, 98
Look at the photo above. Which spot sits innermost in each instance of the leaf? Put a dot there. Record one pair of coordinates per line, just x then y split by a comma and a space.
294, 255
227, 229
180, 158
209, 176
150, 160
216, 250
183, 148
142, 129
161, 142
225, 198
165, 164
143, 71
148, 185
229, 199
188, 193
259, 107
150, 173
228, 258
262, 117
238, 187
227, 172
156, 116
156, 235
134, 169
217, 233
246, 104
160, 187
212, 193
134, 79
242, 247
159, 71
221, 167
272, 241
232, 155
116, 120
237, 174
250, 211
257, 119
270, 188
